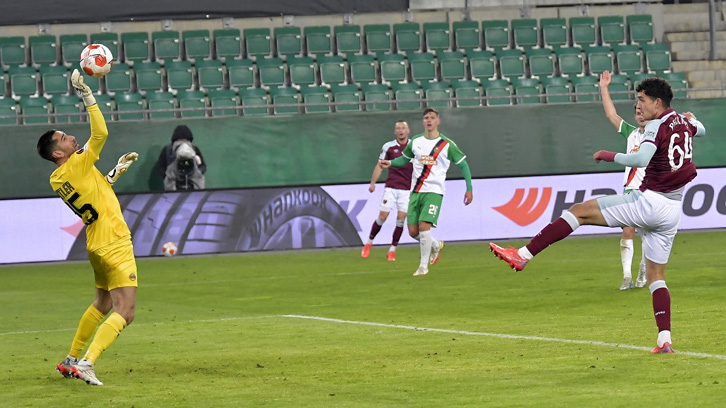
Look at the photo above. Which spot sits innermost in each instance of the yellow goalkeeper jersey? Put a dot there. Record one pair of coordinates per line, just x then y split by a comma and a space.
87, 192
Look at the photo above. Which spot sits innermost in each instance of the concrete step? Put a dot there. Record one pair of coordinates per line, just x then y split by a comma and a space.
704, 84
695, 54
710, 94
694, 36
703, 65
685, 8
715, 75
690, 22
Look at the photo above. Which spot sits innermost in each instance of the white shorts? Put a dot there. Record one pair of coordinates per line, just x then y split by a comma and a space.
393, 197
655, 216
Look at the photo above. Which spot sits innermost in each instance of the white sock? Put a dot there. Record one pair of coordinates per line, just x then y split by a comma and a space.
524, 253
664, 337
626, 257
370, 241
417, 237
425, 240
392, 248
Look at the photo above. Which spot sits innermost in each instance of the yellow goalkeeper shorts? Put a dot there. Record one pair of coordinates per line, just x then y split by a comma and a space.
114, 265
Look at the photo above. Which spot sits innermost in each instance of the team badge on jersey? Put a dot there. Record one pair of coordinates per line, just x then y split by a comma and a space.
132, 277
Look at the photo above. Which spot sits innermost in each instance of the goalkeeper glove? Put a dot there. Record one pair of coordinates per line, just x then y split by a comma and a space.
82, 89
124, 162
604, 155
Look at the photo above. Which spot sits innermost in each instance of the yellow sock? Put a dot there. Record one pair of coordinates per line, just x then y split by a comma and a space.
90, 320
106, 334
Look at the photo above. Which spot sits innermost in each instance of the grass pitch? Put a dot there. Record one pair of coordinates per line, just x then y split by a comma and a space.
327, 328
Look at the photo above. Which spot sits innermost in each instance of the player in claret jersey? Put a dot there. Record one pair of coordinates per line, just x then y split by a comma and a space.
396, 193
655, 209
432, 154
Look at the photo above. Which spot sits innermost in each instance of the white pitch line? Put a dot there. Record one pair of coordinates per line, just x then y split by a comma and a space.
504, 336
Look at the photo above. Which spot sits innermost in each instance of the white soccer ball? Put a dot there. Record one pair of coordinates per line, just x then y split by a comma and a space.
96, 60
169, 249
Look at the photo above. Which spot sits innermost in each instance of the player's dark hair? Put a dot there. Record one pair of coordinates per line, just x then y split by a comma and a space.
656, 88
46, 145
401, 121
430, 110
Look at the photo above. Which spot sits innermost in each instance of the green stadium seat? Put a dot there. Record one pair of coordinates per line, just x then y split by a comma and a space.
511, 63
192, 103
467, 93
332, 69
452, 65
167, 46
71, 46
496, 34
197, 45
437, 93
347, 39
148, 77
36, 107
23, 81
302, 71
612, 30
482, 65
554, 32
628, 58
67, 108
105, 104
285, 96
407, 37
407, 95
43, 50
600, 59
227, 43
526, 90
619, 87
223, 98
288, 41
258, 42
8, 111
525, 33
467, 35
393, 68
376, 97
313, 97
135, 47
437, 37
272, 71
179, 75
636, 77
210, 74
497, 92
586, 88
254, 101
423, 66
110, 40
582, 31
362, 68
3, 83
657, 57
346, 97
378, 38
12, 51
678, 82
119, 79
571, 61
54, 79
557, 90
241, 74
541, 62
129, 106
640, 28
161, 105
318, 40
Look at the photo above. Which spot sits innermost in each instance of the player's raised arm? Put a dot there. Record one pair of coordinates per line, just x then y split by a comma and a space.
99, 131
607, 102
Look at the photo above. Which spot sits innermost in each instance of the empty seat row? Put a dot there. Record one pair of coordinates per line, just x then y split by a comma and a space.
319, 99
192, 45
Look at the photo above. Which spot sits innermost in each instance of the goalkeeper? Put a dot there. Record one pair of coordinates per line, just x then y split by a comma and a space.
88, 193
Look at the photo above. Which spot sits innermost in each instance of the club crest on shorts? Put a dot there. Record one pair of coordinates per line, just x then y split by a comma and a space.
132, 276
385, 201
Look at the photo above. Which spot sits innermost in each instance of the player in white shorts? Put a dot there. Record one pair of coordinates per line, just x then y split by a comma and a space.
396, 193
666, 153
631, 181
